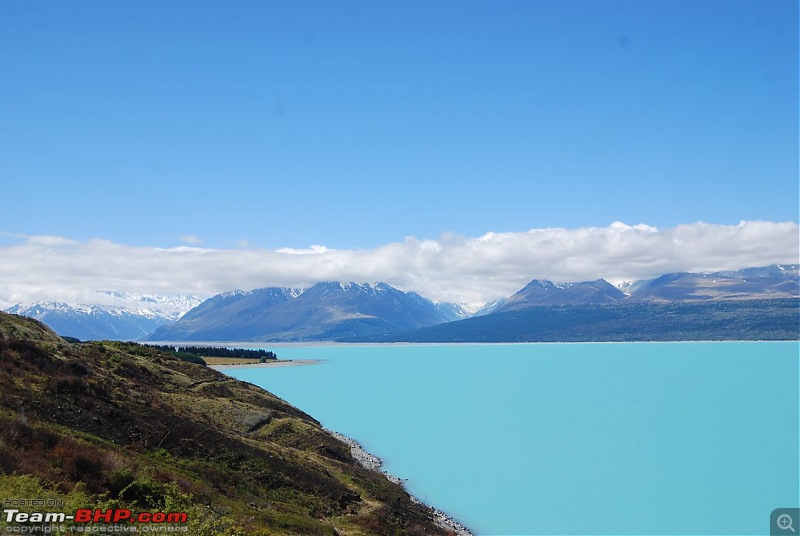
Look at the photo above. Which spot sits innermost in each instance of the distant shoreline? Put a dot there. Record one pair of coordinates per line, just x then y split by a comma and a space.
323, 344
270, 364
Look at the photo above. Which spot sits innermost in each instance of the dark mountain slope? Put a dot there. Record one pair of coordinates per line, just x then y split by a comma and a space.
120, 425
625, 321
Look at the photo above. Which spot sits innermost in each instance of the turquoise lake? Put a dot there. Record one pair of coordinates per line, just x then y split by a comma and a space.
529, 439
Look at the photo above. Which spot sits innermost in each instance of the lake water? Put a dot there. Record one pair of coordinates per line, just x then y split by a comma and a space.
529, 439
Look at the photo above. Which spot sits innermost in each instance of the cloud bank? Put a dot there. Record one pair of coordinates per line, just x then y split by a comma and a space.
469, 270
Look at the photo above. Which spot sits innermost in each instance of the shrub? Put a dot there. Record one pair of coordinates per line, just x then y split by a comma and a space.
80, 463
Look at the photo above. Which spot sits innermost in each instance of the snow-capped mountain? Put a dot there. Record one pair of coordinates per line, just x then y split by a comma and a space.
624, 286
544, 292
110, 315
767, 282
326, 311
489, 307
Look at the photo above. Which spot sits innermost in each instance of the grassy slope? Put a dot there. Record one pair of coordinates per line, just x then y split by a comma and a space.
116, 424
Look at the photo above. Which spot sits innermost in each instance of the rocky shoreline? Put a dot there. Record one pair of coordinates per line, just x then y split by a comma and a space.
373, 463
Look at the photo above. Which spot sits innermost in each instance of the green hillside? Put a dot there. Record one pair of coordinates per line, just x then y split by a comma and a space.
118, 425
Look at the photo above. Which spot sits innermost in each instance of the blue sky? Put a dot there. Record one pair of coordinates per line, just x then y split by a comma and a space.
354, 124
457, 149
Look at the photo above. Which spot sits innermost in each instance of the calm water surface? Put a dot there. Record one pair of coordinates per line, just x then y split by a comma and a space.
528, 439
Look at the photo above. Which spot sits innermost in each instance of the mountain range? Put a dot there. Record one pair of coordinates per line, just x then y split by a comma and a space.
351, 312
748, 304
326, 311
115, 316
768, 282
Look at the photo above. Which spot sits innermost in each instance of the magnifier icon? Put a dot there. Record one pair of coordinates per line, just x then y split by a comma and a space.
784, 522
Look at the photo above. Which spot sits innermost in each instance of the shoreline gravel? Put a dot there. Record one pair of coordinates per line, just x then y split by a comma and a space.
373, 463
268, 364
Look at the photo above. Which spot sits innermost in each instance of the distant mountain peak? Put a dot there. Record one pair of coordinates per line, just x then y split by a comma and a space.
359, 287
546, 284
624, 286
329, 310
546, 292
234, 293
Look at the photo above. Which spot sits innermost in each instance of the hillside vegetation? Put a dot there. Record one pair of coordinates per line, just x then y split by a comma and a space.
118, 425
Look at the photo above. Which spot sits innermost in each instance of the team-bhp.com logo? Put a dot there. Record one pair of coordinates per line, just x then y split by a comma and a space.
93, 520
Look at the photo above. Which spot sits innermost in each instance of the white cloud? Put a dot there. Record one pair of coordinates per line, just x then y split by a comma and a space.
191, 239
469, 270
314, 249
